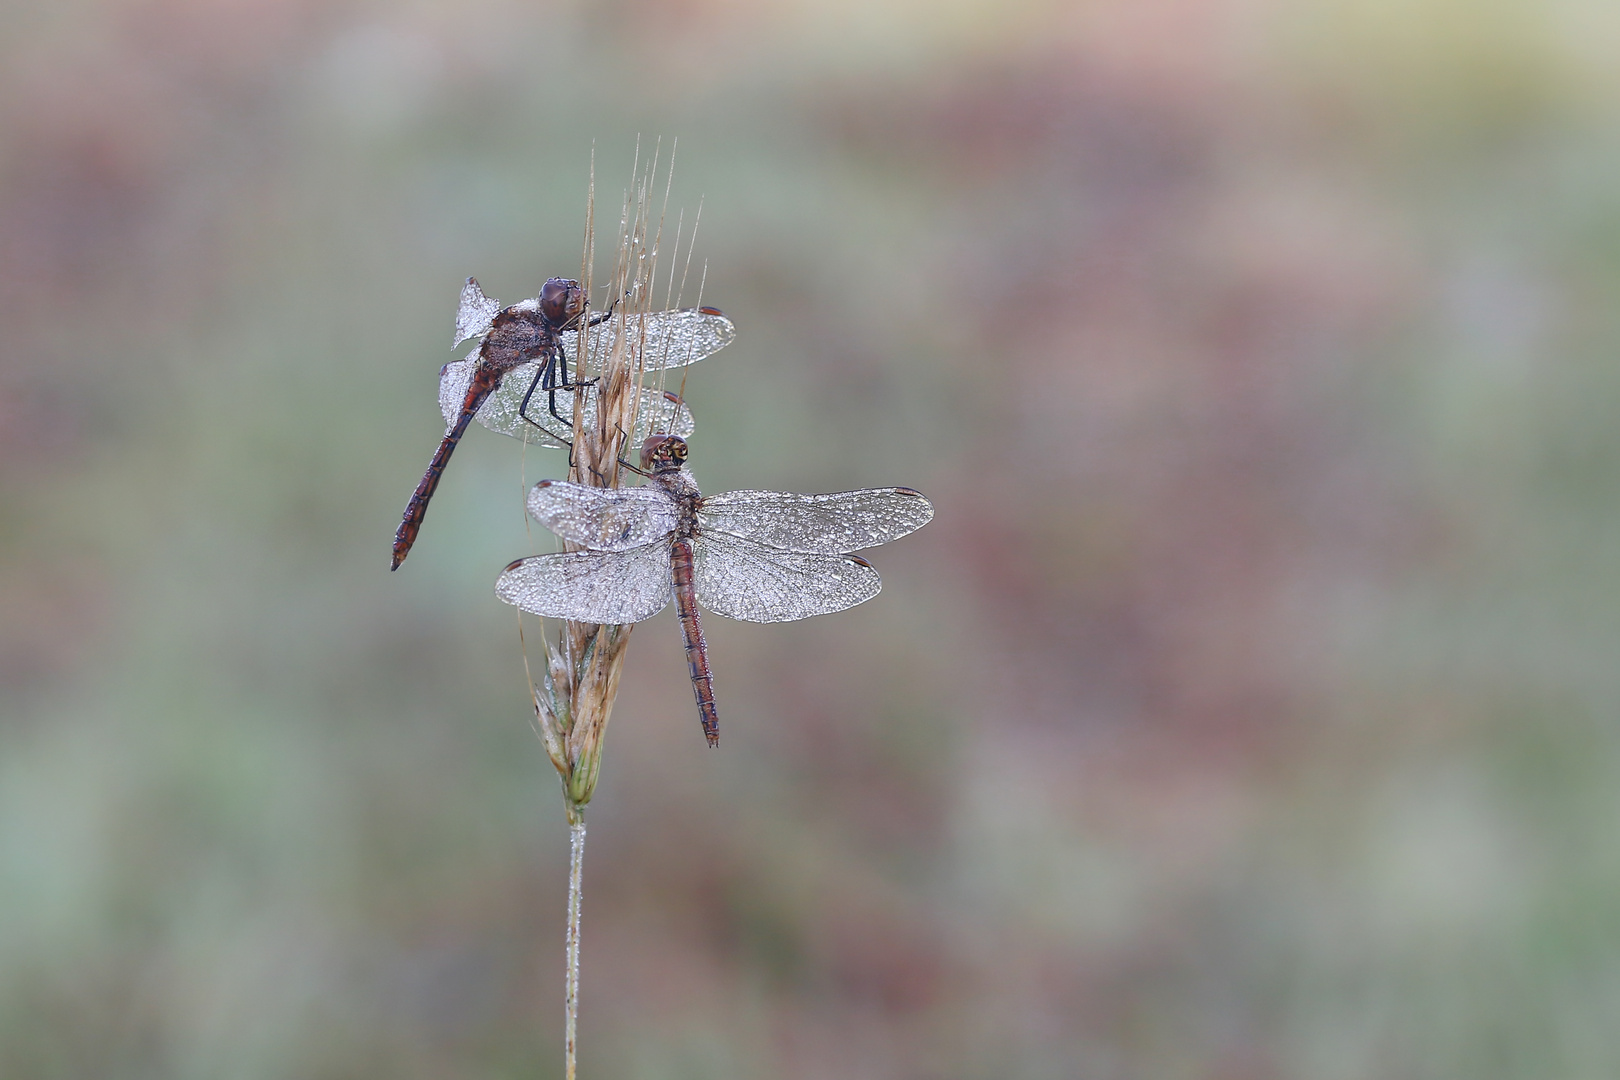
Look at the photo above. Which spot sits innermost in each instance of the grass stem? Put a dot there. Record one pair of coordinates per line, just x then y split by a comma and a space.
576, 865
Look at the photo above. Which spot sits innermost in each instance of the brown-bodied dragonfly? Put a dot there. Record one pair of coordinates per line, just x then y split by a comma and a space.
760, 556
531, 341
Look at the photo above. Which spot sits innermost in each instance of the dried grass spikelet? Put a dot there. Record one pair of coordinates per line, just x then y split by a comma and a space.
584, 663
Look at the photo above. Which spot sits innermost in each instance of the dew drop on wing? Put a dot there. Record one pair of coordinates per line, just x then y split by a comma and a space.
840, 521
475, 313
669, 339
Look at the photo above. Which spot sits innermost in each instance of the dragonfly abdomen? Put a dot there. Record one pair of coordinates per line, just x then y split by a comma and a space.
483, 384
697, 652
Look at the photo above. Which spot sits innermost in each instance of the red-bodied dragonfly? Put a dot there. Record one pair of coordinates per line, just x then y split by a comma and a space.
760, 556
530, 340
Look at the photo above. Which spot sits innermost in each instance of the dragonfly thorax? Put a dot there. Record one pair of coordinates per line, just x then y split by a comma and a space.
665, 456
518, 336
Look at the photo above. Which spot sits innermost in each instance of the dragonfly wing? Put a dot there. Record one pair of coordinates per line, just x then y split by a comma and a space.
667, 339
840, 522
603, 519
744, 580
659, 412
476, 314
499, 411
612, 587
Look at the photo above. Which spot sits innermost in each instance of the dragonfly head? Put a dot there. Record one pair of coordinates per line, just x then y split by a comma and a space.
562, 301
663, 453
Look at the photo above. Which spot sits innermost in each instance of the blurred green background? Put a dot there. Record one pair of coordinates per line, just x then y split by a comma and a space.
1247, 711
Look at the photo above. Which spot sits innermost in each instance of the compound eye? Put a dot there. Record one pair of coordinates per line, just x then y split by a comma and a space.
659, 450
561, 300
574, 304
650, 448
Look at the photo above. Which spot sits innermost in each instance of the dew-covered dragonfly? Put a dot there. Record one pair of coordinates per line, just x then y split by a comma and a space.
760, 556
530, 340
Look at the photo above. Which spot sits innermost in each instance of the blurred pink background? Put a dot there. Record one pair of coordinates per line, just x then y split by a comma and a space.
1247, 711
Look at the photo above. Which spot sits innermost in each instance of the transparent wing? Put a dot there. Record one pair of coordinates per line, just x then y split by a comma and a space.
840, 522
476, 314
668, 339
743, 580
658, 411
603, 519
612, 587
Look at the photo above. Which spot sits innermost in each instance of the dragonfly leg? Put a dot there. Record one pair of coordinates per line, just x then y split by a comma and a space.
551, 385
541, 382
562, 362
623, 438
597, 320
603, 476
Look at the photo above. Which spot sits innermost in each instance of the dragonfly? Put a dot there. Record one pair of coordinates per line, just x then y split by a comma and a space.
530, 340
759, 556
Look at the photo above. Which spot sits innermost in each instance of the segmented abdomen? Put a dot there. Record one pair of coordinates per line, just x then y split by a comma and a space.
484, 382
697, 653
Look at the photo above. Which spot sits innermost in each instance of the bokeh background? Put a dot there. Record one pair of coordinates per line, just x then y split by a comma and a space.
1247, 711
